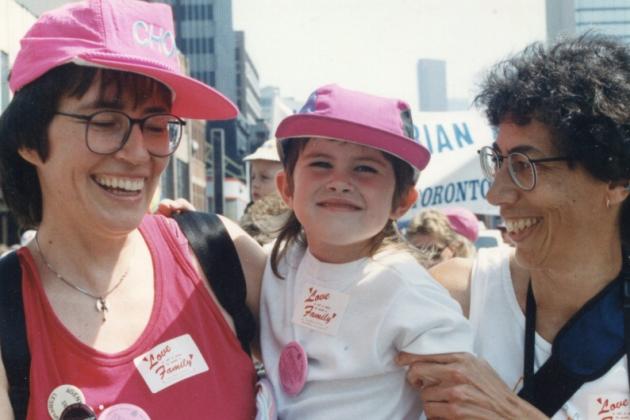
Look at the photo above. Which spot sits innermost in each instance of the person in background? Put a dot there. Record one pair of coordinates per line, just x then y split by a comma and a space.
548, 314
264, 218
339, 300
120, 320
463, 221
264, 165
431, 231
266, 213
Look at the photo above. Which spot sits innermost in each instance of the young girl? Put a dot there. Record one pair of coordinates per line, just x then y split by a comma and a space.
338, 304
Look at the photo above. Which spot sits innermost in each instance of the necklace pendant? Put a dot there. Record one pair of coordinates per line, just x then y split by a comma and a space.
101, 306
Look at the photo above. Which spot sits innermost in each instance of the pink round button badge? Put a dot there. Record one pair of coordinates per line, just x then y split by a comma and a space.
124, 412
293, 367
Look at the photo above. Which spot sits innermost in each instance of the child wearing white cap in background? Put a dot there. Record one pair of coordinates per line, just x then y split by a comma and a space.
338, 304
265, 164
266, 213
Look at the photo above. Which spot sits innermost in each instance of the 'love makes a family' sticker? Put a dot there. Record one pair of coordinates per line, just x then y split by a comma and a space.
170, 362
320, 308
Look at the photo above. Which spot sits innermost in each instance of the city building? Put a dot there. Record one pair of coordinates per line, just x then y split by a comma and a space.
247, 85
218, 57
275, 107
37, 7
569, 17
185, 175
560, 19
432, 85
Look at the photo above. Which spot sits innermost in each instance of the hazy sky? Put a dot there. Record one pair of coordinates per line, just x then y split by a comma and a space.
374, 45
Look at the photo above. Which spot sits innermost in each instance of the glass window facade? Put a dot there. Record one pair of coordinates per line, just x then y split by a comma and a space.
610, 17
4, 80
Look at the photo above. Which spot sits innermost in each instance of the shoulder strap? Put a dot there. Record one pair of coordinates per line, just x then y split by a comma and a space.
584, 349
219, 260
13, 341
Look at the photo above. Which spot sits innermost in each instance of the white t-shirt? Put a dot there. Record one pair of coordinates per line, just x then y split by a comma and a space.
499, 325
352, 320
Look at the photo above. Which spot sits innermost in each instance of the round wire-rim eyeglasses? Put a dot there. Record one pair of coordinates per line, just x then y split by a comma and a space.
522, 168
174, 129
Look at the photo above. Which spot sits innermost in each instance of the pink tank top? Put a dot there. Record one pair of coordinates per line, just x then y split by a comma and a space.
187, 364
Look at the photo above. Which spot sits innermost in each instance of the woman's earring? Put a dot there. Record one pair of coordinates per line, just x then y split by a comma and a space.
608, 203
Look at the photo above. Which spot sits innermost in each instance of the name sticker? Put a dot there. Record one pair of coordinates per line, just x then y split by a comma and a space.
320, 309
170, 362
611, 406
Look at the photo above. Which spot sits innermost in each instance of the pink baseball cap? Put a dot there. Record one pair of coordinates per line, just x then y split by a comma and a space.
463, 221
341, 114
127, 35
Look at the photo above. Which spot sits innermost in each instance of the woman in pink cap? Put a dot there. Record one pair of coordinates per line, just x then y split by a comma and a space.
339, 299
120, 321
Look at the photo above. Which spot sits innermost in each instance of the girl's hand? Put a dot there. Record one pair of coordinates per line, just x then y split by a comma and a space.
462, 386
168, 207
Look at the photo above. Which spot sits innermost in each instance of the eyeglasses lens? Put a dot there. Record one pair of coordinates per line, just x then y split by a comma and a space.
108, 129
522, 171
489, 163
105, 131
162, 134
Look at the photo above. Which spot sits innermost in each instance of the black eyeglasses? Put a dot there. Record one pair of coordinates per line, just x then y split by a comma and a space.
106, 132
521, 168
78, 411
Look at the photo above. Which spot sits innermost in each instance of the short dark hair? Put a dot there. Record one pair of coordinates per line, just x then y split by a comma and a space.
580, 89
24, 124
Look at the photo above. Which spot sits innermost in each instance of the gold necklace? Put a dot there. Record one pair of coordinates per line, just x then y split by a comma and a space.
101, 302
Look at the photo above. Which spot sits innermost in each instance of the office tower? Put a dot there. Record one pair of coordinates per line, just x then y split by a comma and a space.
217, 56
432, 85
569, 17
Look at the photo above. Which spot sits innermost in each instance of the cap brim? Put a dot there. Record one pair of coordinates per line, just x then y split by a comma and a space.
307, 126
262, 156
193, 99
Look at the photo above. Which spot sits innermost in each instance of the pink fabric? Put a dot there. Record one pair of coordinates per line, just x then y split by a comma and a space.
341, 114
463, 221
181, 306
129, 35
293, 368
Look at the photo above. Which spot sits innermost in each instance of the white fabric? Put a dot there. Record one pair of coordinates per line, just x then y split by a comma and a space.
499, 325
394, 305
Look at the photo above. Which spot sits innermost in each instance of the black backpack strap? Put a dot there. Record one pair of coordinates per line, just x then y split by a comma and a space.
219, 260
626, 322
13, 341
586, 347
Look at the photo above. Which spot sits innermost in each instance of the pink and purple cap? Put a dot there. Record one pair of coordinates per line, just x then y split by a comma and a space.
127, 35
463, 221
337, 113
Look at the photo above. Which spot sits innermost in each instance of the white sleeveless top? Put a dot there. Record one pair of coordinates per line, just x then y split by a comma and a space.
499, 326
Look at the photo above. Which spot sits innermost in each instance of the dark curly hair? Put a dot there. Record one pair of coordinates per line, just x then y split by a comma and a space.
24, 124
580, 89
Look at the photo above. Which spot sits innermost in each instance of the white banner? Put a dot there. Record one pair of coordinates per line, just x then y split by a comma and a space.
453, 177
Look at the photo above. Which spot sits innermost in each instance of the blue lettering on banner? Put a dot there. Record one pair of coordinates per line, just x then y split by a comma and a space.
443, 142
455, 192
458, 137
462, 135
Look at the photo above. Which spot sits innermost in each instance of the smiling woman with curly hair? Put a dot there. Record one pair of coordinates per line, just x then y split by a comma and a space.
559, 172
